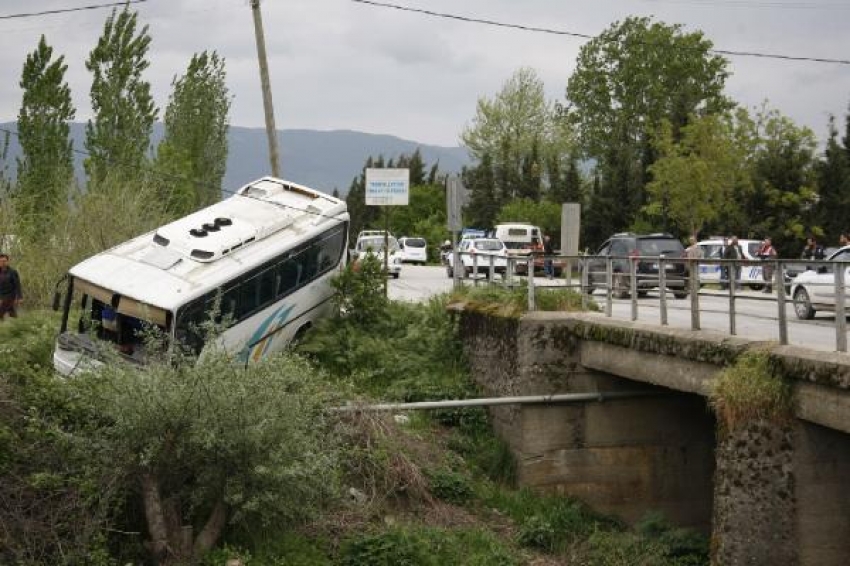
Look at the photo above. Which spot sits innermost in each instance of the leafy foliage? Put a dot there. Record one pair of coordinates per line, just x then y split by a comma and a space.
749, 390
45, 169
545, 214
208, 442
118, 136
194, 148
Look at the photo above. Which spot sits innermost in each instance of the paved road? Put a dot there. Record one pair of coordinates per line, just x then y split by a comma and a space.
756, 312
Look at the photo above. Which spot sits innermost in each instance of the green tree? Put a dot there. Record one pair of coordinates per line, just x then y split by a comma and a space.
784, 193
695, 177
626, 81
196, 124
45, 168
522, 133
833, 175
118, 136
484, 198
211, 442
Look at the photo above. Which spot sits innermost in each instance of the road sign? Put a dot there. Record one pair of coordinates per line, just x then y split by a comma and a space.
387, 187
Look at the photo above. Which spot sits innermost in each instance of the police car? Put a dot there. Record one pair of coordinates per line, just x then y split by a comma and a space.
751, 275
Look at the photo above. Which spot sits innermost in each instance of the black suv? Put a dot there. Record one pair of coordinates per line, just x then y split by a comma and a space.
647, 247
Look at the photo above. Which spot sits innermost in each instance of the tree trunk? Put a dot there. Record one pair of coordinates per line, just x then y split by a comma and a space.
212, 530
155, 517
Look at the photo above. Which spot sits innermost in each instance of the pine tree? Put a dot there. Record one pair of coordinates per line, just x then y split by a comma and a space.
45, 168
531, 174
417, 169
484, 203
196, 130
833, 179
124, 112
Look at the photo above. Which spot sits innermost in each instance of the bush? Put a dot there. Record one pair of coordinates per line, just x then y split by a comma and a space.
513, 302
749, 390
450, 486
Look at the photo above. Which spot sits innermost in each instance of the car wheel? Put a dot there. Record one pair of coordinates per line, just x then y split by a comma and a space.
588, 290
756, 287
395, 275
643, 294
450, 272
803, 305
680, 294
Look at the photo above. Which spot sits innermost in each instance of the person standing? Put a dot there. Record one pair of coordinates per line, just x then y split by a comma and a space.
767, 252
843, 240
548, 252
812, 250
733, 251
10, 289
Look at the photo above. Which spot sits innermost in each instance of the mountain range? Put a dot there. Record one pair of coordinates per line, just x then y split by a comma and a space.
323, 160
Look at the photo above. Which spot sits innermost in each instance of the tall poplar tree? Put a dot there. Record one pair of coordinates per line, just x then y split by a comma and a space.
124, 112
196, 124
45, 168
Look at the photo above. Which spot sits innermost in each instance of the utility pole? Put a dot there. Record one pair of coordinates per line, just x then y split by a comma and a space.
271, 131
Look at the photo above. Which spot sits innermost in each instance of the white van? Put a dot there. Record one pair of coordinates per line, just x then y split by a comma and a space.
751, 275
520, 238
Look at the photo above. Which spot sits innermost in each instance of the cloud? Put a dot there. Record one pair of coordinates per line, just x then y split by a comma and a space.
339, 65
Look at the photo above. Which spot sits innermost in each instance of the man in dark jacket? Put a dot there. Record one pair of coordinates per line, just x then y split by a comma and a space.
734, 251
10, 289
548, 252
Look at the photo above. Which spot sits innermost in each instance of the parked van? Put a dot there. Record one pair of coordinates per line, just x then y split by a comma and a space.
520, 238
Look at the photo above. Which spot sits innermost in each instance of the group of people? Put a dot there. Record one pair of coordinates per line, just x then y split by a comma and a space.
732, 250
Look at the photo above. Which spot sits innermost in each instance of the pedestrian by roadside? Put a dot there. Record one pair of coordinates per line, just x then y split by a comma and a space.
768, 253
11, 294
548, 252
733, 251
812, 250
843, 240
693, 252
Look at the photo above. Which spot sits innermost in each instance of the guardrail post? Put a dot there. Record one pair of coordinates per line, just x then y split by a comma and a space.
693, 270
583, 282
662, 289
475, 270
492, 267
532, 305
509, 273
609, 284
634, 287
840, 308
779, 283
733, 280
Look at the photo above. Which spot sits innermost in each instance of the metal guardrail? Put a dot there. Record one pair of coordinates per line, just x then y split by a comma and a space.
634, 276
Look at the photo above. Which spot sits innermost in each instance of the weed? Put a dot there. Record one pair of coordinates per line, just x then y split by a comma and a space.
749, 390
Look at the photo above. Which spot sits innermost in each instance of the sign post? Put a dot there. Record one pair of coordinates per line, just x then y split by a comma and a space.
456, 199
387, 187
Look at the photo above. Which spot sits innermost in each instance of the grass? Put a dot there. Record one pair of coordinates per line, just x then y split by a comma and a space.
750, 391
513, 302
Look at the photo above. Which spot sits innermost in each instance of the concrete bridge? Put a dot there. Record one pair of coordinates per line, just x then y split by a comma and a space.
769, 491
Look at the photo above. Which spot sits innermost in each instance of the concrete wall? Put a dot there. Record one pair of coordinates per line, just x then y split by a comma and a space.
770, 493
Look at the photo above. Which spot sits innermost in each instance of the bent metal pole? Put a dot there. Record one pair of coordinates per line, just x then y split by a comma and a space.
494, 401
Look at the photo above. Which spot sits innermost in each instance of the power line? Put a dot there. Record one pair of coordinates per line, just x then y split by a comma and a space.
468, 19
66, 10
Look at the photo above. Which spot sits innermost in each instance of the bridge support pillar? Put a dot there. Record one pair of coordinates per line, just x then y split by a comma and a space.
781, 496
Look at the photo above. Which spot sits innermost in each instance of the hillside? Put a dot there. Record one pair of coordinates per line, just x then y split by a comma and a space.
323, 160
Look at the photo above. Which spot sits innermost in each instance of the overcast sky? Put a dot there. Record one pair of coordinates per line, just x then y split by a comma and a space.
336, 64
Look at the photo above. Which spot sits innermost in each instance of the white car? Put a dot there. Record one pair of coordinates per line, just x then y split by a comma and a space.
751, 275
414, 250
374, 244
478, 253
814, 290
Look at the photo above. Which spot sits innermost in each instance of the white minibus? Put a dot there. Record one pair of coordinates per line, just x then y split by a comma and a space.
265, 256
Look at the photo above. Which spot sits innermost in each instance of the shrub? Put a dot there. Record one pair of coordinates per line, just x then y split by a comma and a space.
450, 486
749, 390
